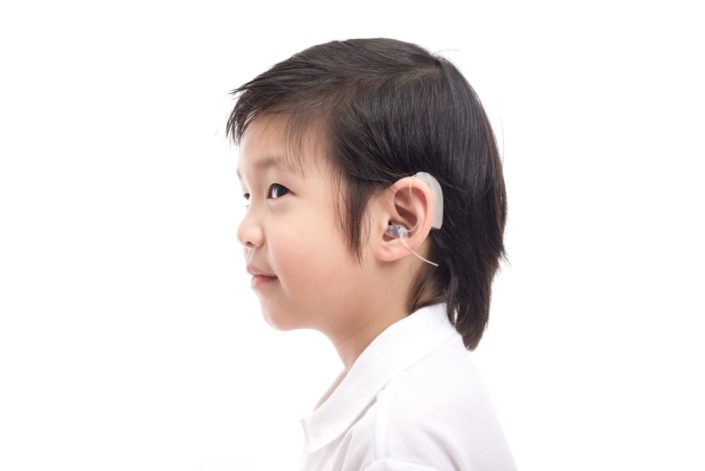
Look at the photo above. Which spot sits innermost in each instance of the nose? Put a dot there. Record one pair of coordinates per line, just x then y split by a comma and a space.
249, 232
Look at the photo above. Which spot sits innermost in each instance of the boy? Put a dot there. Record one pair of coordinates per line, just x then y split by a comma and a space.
361, 160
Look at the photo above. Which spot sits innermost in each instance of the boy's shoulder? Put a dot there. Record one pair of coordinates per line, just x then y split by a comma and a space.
443, 387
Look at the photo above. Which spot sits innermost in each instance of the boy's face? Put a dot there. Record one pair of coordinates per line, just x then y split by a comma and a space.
290, 231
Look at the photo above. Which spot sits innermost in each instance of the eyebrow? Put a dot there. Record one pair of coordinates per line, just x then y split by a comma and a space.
266, 163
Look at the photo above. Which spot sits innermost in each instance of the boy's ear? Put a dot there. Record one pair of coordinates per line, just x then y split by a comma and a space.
409, 202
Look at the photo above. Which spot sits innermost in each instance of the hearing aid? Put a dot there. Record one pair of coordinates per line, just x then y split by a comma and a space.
397, 230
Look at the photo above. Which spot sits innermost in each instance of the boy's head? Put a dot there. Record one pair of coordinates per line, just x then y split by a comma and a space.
350, 123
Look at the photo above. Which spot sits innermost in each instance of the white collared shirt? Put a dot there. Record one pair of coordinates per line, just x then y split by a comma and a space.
412, 400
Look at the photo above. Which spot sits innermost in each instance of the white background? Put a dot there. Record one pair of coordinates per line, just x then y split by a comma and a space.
129, 336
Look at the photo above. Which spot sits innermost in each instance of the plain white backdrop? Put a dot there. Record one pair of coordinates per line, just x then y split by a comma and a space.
129, 336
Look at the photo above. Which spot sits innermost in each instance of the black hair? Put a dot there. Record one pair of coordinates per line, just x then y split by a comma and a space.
387, 110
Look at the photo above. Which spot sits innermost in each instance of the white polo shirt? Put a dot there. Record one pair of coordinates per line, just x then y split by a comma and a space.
412, 400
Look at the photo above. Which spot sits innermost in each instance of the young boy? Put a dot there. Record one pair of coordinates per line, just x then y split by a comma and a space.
376, 216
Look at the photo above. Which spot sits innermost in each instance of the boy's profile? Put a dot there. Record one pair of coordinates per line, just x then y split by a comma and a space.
376, 212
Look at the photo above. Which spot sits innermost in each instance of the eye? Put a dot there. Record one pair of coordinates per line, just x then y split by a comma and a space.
276, 187
280, 188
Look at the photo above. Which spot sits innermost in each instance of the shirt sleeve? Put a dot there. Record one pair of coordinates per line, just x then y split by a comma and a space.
389, 464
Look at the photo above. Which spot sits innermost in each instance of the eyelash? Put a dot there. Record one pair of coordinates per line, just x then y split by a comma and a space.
247, 195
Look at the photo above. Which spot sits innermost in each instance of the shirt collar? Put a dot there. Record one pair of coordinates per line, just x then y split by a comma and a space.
395, 349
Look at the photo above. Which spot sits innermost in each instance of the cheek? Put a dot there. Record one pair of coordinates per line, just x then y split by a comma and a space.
311, 254
292, 244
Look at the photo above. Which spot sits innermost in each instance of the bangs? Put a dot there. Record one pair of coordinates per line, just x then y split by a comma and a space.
303, 131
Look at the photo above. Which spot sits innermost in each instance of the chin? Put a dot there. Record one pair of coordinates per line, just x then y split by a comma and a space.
281, 320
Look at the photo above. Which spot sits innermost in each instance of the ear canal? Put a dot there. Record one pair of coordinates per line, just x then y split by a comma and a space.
397, 230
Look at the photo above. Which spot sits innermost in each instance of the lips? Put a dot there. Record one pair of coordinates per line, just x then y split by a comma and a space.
260, 278
254, 271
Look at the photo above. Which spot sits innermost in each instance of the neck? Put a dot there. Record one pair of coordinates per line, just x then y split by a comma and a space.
363, 328
385, 302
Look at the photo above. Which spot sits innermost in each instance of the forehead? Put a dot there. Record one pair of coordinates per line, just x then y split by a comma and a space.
269, 142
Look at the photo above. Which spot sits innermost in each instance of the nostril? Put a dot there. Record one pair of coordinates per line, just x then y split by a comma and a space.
250, 233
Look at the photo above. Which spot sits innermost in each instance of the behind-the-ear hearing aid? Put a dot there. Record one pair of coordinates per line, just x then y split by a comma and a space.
400, 231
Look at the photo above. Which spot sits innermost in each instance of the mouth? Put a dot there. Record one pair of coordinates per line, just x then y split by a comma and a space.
261, 280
